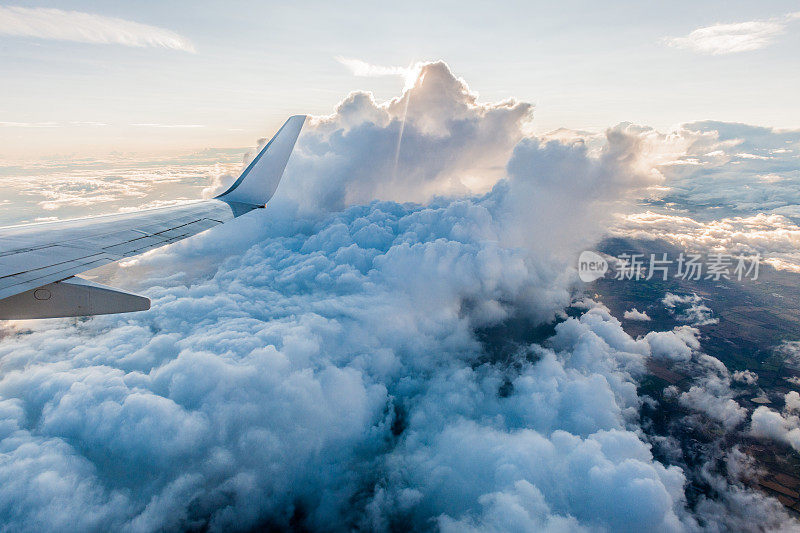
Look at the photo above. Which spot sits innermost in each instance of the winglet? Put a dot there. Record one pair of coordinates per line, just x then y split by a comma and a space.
260, 179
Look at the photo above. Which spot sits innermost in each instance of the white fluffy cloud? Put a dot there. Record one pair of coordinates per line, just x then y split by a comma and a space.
712, 397
676, 345
782, 427
790, 353
435, 139
635, 314
710, 187
748, 377
689, 308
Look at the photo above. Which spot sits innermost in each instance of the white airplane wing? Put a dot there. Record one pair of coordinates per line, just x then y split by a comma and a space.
38, 262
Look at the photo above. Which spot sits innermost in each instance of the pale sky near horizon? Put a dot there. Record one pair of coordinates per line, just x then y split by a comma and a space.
94, 78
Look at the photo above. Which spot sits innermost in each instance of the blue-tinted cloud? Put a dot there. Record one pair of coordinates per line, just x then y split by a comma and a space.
291, 371
324, 363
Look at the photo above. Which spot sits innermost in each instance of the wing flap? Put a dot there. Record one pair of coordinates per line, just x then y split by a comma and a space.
71, 297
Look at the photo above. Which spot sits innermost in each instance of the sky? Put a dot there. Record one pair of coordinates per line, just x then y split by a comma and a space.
400, 340
155, 78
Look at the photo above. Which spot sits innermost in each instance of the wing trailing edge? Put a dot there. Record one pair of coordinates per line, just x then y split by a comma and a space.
38, 262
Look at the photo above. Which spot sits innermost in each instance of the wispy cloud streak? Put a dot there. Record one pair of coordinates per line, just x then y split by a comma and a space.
7, 124
721, 39
57, 24
153, 125
361, 68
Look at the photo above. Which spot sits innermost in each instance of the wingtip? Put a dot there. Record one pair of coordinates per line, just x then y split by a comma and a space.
258, 182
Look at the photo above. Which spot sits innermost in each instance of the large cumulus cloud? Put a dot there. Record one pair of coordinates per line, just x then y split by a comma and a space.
435, 139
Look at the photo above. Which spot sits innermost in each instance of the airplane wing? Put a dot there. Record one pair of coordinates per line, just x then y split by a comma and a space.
38, 262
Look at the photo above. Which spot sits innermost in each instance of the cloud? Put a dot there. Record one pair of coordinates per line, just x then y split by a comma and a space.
733, 38
782, 427
728, 188
154, 125
521, 508
747, 377
775, 238
725, 513
438, 139
29, 124
708, 178
710, 391
311, 367
690, 185
561, 195
635, 314
361, 68
84, 187
689, 308
680, 344
47, 23
704, 416
333, 361
435, 139
698, 169
712, 397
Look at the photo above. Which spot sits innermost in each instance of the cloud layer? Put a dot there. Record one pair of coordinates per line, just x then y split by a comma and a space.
313, 368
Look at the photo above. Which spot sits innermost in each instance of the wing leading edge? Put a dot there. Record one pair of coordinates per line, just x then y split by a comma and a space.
34, 256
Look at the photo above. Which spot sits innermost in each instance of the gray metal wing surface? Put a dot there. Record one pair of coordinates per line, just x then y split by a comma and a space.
36, 258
